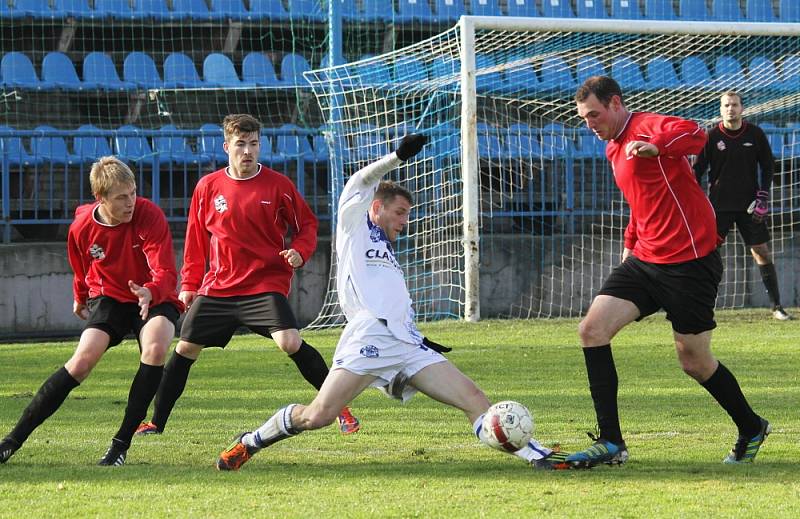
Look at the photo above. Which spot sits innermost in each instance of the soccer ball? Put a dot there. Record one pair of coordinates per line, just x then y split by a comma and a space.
508, 426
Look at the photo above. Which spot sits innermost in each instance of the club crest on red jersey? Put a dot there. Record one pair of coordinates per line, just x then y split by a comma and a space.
220, 204
97, 252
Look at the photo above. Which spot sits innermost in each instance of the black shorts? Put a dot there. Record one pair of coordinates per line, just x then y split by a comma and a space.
212, 321
687, 291
119, 319
752, 233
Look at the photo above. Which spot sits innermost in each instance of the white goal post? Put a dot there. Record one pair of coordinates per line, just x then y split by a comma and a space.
509, 157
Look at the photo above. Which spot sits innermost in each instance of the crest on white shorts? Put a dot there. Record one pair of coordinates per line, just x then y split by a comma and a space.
220, 204
369, 351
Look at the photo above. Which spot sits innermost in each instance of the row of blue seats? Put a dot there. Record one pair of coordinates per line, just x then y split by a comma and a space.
555, 73
284, 145
140, 72
430, 11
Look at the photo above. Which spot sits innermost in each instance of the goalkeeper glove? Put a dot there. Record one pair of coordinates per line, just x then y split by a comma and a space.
410, 145
435, 346
759, 208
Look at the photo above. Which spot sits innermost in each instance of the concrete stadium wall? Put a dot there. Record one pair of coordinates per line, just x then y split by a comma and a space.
36, 283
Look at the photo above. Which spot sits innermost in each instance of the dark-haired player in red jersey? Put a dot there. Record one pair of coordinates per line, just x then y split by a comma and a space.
735, 154
670, 260
238, 222
120, 250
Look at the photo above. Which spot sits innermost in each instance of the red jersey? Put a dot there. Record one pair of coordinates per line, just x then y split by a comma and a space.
104, 257
240, 226
671, 219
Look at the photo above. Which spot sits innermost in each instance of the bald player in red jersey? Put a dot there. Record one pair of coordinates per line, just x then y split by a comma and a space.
670, 260
120, 250
238, 223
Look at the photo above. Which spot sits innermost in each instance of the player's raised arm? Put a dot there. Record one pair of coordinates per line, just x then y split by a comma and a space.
409, 146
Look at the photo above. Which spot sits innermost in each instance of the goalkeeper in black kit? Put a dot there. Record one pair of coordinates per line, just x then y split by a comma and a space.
740, 166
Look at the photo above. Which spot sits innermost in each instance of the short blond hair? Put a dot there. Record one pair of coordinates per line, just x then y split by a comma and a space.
239, 124
108, 172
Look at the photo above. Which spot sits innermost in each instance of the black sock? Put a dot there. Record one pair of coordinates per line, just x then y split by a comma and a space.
770, 279
45, 402
311, 364
725, 389
176, 372
143, 389
603, 384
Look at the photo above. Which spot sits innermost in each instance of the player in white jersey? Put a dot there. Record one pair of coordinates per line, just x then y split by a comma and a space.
381, 346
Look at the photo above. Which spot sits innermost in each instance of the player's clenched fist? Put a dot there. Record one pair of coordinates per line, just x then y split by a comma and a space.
410, 145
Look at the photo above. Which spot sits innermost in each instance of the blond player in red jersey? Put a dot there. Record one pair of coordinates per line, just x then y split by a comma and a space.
670, 260
120, 250
239, 219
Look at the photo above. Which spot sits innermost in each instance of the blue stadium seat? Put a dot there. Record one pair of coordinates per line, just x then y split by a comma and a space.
522, 8
414, 11
98, 69
8, 12
268, 10
218, 70
140, 69
13, 150
32, 8
789, 11
130, 145
17, 71
229, 10
409, 69
308, 10
521, 79
726, 10
627, 73
77, 9
759, 11
487, 81
693, 10
257, 68
589, 146
89, 145
762, 73
489, 146
556, 75
592, 9
790, 74
557, 142
293, 146
557, 9
51, 147
449, 11
174, 148
775, 139
376, 10
694, 72
369, 144
157, 10
375, 72
196, 10
659, 10
180, 72
521, 142
486, 8
661, 74
625, 9
292, 68
58, 70
267, 155
728, 73
587, 66
114, 9
209, 144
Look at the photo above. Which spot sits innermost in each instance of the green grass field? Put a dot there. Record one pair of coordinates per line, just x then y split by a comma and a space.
421, 459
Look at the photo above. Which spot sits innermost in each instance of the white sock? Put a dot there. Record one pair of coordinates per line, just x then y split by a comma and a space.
277, 428
533, 451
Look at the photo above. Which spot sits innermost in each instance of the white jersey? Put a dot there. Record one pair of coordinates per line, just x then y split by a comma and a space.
369, 279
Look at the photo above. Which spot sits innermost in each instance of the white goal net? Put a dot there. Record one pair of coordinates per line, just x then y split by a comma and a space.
516, 210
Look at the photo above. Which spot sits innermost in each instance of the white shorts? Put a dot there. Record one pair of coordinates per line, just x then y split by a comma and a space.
367, 347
